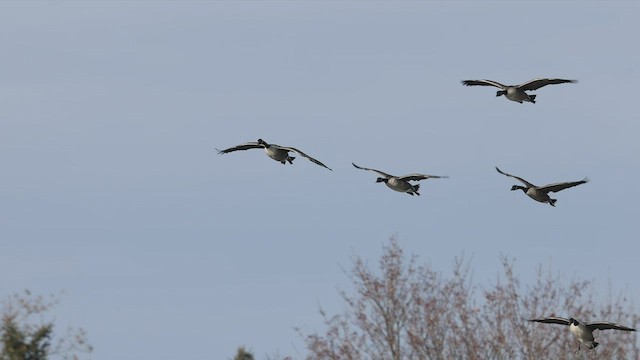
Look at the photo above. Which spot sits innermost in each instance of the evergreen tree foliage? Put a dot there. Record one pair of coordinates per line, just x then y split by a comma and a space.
26, 335
243, 354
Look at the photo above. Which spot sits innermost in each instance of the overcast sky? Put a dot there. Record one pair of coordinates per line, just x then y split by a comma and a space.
111, 188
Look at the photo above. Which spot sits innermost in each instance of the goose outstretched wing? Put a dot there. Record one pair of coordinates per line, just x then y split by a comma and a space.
374, 170
602, 325
315, 161
563, 185
245, 146
483, 83
416, 177
516, 177
552, 320
538, 83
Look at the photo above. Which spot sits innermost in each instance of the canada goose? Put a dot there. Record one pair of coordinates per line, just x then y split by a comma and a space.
401, 183
541, 193
583, 331
517, 92
276, 152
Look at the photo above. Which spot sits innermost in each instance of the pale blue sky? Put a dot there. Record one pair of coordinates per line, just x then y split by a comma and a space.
111, 188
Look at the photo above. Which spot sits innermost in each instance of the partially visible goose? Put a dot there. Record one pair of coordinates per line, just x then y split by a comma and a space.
583, 331
276, 152
517, 92
401, 183
541, 193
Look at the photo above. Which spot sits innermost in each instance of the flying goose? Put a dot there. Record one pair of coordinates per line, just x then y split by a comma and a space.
401, 183
541, 193
276, 152
583, 331
517, 92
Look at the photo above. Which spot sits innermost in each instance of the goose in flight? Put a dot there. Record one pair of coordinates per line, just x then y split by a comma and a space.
518, 93
276, 152
401, 183
541, 193
583, 331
